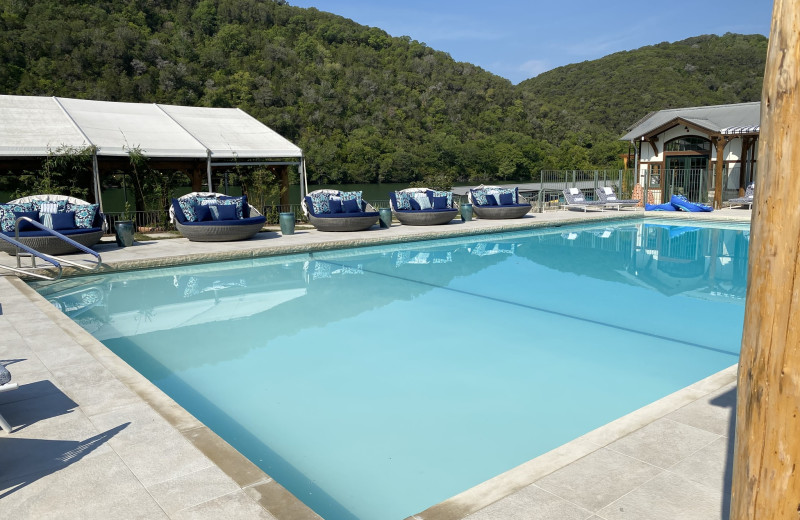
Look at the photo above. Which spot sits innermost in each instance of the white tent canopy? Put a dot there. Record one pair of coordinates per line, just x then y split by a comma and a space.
38, 126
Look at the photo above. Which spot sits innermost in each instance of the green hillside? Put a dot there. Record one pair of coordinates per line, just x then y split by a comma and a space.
617, 90
364, 106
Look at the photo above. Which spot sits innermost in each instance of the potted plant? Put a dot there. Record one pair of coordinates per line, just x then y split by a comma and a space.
124, 228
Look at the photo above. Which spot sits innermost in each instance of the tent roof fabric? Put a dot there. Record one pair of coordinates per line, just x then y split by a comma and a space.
715, 119
37, 126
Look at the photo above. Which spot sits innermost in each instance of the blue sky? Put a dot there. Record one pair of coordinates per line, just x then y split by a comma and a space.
519, 39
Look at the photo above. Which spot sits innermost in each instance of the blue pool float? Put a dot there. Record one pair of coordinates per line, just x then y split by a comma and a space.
660, 207
680, 202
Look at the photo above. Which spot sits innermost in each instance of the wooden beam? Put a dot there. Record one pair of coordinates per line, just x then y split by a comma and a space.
766, 484
719, 142
747, 142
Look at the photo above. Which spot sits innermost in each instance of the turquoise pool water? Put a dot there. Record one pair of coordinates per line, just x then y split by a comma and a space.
376, 382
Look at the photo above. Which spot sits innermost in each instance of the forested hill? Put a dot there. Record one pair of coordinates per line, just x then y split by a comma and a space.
364, 106
619, 89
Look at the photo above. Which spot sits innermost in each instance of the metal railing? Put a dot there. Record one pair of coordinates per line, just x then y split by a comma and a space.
550, 194
23, 250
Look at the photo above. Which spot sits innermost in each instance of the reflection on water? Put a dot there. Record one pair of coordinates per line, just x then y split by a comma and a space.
309, 364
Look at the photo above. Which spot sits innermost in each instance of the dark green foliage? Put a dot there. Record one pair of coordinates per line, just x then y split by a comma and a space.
364, 106
618, 90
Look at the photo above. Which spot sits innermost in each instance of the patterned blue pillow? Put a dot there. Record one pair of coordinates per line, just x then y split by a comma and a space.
84, 214
7, 218
403, 199
49, 206
351, 195
479, 197
423, 200
321, 203
187, 206
235, 201
448, 194
507, 191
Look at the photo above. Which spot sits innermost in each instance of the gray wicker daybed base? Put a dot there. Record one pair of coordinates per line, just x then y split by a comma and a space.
217, 231
51, 245
359, 223
425, 217
207, 233
500, 212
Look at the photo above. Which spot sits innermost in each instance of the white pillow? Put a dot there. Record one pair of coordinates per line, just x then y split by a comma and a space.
611, 197
574, 191
423, 200
608, 190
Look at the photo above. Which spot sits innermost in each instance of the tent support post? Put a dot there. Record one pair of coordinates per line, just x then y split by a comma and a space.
96, 180
303, 180
208, 170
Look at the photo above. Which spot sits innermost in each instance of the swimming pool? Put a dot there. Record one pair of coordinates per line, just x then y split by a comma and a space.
374, 383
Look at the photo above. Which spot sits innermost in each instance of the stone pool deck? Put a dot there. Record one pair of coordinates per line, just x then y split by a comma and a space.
92, 438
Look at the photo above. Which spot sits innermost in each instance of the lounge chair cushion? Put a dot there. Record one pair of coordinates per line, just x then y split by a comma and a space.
335, 204
68, 232
491, 199
84, 214
58, 221
414, 204
506, 199
242, 206
187, 208
223, 212
25, 225
350, 206
439, 202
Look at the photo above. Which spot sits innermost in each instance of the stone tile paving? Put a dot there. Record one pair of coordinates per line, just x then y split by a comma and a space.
94, 439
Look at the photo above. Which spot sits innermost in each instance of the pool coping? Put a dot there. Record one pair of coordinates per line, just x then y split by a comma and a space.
275, 499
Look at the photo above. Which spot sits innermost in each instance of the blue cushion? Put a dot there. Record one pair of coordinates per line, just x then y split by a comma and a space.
350, 206
490, 200
414, 204
335, 204
236, 202
506, 199
242, 206
223, 212
447, 194
203, 213
176, 209
59, 221
25, 225
439, 202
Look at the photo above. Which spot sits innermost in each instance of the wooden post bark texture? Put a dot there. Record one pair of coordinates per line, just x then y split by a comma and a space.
766, 472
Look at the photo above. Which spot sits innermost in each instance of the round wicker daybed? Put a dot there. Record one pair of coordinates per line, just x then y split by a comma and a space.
517, 210
359, 221
421, 217
48, 244
217, 230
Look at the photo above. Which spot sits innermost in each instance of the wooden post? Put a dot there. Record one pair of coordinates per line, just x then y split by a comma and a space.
719, 142
766, 470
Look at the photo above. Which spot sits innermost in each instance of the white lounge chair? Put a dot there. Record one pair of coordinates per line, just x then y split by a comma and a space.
575, 199
606, 194
747, 200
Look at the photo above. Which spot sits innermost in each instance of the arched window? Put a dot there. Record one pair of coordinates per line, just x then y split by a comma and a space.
689, 143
